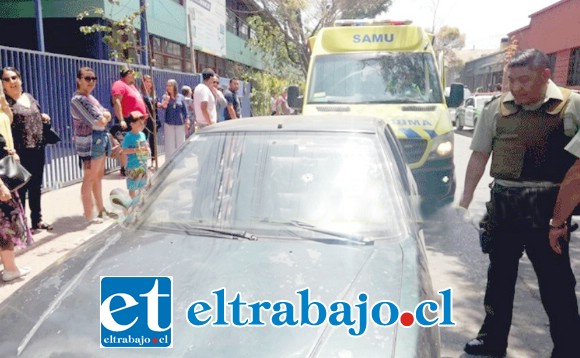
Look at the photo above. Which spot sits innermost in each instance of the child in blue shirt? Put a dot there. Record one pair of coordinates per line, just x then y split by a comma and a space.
137, 152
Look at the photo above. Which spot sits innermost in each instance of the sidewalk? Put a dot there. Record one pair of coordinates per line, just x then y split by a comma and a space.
63, 209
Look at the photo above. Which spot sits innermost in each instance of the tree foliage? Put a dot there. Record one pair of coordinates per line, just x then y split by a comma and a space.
508, 53
448, 40
283, 28
264, 85
120, 35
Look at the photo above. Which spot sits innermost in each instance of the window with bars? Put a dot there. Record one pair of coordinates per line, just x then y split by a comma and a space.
237, 25
574, 68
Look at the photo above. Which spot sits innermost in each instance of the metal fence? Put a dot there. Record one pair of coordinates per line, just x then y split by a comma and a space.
50, 78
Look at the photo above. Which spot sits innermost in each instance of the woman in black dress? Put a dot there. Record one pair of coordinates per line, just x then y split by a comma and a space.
27, 129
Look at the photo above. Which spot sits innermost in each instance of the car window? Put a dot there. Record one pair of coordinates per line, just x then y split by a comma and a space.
243, 181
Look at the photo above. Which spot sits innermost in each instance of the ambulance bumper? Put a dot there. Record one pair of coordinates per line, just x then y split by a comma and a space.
436, 179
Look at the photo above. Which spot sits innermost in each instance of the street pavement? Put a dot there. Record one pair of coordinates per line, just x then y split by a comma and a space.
63, 209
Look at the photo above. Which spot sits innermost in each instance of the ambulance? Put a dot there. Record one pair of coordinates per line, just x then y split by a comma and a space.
386, 69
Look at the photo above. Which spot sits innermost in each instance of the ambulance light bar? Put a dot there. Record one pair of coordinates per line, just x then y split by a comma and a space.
371, 22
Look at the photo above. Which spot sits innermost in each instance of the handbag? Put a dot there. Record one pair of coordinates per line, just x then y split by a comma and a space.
13, 174
49, 136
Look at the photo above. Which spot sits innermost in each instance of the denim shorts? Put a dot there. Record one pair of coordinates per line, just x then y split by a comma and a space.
101, 144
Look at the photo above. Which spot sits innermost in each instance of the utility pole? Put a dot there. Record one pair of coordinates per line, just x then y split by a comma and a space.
435, 7
39, 25
190, 18
144, 32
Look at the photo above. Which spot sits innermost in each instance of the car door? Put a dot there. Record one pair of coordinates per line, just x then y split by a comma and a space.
469, 111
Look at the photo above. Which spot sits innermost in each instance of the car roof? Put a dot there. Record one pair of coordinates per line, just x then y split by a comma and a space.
485, 96
307, 123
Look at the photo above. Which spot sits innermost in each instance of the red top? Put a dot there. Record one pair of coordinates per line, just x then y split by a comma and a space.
131, 98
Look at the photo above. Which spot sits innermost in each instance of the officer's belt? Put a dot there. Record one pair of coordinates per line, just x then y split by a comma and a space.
525, 184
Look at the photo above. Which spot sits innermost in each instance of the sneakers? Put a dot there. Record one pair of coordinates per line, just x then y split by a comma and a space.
477, 346
8, 276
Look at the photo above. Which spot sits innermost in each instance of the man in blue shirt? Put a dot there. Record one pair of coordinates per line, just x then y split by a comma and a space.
232, 110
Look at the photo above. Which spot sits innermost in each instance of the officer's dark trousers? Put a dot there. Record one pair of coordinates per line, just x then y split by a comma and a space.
557, 290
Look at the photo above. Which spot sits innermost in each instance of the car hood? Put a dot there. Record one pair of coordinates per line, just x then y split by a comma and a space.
57, 313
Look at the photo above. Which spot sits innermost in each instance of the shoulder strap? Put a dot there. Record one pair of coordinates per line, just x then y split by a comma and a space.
558, 108
506, 110
561, 107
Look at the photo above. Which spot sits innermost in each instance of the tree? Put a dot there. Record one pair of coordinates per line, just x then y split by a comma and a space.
508, 53
283, 28
119, 35
448, 40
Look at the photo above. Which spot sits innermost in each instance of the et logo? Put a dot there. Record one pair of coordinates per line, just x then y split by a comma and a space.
136, 312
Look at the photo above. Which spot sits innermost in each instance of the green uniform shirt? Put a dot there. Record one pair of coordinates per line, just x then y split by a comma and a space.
485, 127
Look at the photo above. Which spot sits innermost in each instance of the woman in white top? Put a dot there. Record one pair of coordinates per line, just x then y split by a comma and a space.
13, 230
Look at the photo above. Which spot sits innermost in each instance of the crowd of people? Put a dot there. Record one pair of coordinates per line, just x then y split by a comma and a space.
130, 132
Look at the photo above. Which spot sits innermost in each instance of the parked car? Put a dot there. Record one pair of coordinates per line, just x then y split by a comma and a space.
451, 112
470, 112
261, 207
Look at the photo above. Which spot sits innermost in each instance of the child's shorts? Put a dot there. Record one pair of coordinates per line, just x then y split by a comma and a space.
136, 178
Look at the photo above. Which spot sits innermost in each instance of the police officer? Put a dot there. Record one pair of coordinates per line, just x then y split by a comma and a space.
531, 131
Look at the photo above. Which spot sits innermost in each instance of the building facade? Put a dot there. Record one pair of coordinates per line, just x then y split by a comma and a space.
553, 30
215, 29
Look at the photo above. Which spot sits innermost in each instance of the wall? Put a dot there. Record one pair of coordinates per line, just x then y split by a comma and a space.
238, 52
553, 30
50, 8
165, 18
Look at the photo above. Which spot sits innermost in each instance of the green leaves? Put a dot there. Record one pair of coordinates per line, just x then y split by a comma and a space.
283, 27
120, 35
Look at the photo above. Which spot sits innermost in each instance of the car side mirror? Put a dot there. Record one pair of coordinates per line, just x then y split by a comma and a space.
294, 99
455, 97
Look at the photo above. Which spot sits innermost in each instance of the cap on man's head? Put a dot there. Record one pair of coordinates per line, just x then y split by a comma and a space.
207, 73
125, 70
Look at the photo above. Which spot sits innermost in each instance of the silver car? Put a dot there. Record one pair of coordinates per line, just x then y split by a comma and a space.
266, 237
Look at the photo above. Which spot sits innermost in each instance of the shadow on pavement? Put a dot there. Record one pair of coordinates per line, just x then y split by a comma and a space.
456, 261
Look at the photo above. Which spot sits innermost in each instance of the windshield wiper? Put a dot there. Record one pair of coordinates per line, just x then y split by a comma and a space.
193, 230
337, 235
233, 234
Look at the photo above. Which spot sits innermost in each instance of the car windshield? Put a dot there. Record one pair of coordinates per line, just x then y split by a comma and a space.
264, 183
374, 78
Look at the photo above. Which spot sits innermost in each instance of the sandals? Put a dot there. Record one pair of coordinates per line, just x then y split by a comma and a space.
96, 220
110, 214
44, 226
